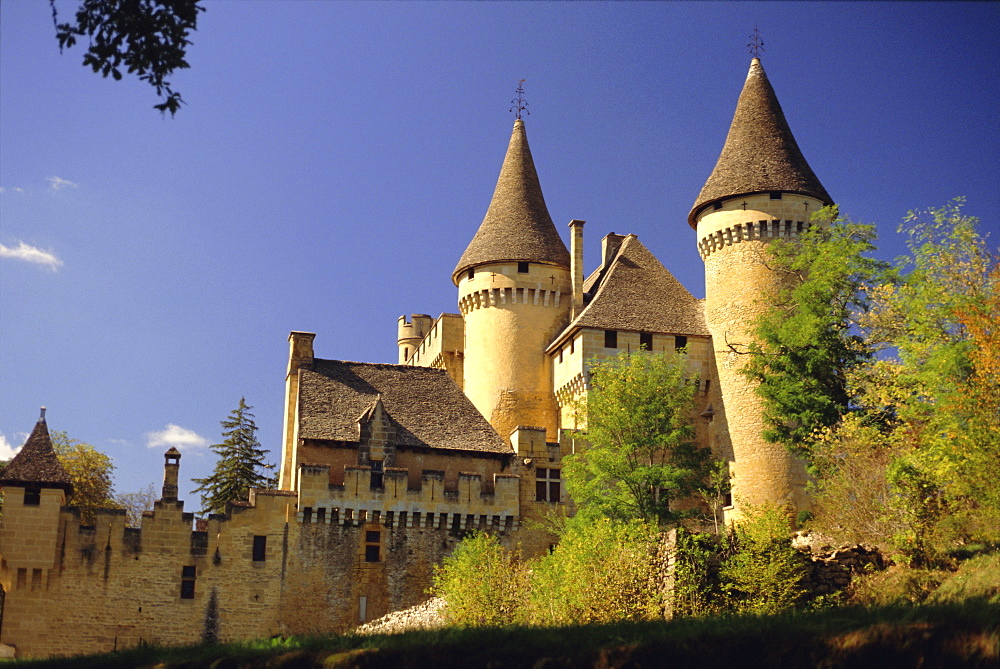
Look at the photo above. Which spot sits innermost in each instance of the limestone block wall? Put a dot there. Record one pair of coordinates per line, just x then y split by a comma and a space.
471, 506
732, 241
510, 318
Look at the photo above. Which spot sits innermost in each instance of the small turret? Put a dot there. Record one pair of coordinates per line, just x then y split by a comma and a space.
410, 334
36, 464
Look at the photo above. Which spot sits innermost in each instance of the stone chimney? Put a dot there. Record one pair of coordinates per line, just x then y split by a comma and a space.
609, 248
576, 265
171, 468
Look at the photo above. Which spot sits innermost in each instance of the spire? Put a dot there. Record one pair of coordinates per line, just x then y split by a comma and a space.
760, 153
517, 226
36, 463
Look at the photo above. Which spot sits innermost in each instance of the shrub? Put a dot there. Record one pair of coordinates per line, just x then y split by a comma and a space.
482, 583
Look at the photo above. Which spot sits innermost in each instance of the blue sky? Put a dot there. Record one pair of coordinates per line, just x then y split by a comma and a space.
334, 159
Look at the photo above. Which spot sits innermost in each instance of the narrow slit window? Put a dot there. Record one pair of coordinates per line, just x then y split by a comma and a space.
259, 548
188, 575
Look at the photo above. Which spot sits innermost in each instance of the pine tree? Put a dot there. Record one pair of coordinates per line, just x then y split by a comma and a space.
240, 466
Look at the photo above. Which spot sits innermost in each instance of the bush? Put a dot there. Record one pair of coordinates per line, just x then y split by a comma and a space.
483, 584
601, 571
762, 574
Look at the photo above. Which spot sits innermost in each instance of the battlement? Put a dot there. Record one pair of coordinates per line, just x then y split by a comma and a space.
759, 230
491, 297
445, 336
387, 498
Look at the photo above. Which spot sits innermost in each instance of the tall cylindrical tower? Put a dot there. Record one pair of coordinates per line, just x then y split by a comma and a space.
515, 294
761, 189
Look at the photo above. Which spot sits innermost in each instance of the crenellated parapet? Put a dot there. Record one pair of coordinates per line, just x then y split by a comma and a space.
391, 501
752, 230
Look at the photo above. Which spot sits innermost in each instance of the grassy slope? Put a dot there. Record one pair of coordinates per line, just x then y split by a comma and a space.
965, 635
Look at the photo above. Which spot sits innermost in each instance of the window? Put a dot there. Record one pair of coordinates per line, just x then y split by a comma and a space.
572, 346
472, 273
376, 466
560, 354
32, 496
775, 195
646, 340
546, 485
259, 548
362, 608
717, 206
373, 546
680, 341
307, 514
611, 339
522, 268
187, 582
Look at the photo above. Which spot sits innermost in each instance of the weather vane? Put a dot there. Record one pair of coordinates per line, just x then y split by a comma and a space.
518, 104
756, 44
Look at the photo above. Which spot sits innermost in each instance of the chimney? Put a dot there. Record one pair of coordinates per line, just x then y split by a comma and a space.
576, 264
609, 248
171, 467
300, 353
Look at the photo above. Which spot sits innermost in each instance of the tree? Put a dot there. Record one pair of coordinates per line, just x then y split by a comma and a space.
90, 471
805, 345
240, 465
641, 454
136, 503
148, 37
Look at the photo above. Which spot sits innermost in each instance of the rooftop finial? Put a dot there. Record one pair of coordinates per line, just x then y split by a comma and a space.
518, 104
756, 45
41, 417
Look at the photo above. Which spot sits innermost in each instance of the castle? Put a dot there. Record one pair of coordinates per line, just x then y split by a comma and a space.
384, 467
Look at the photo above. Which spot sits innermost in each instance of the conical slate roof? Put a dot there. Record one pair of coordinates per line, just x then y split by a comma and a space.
517, 226
36, 463
760, 153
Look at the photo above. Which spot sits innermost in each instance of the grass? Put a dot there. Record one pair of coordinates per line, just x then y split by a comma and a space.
952, 635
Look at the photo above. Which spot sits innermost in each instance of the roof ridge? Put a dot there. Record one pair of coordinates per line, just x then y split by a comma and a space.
760, 153
517, 226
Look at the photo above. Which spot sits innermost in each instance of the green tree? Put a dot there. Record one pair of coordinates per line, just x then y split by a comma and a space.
808, 341
149, 38
240, 465
90, 471
641, 454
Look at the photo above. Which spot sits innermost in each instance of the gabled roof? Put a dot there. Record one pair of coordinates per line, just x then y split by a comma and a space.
36, 463
636, 292
760, 153
425, 405
517, 226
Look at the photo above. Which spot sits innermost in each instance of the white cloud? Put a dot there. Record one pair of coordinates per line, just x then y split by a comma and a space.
58, 183
15, 189
176, 436
31, 254
6, 450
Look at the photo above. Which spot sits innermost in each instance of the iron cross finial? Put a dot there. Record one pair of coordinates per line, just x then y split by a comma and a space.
756, 45
518, 104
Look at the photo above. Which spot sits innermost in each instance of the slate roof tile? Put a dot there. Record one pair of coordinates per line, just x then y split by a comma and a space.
428, 409
36, 463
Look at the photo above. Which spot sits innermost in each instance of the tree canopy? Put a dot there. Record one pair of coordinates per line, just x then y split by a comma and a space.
641, 454
240, 465
90, 471
149, 38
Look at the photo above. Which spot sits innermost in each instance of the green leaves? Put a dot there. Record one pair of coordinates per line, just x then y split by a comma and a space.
641, 454
148, 37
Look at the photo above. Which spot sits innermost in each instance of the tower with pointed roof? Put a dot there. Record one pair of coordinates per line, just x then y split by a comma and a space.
761, 189
515, 294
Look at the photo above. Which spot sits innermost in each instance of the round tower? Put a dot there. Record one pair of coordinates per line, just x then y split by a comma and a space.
761, 189
515, 294
409, 335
